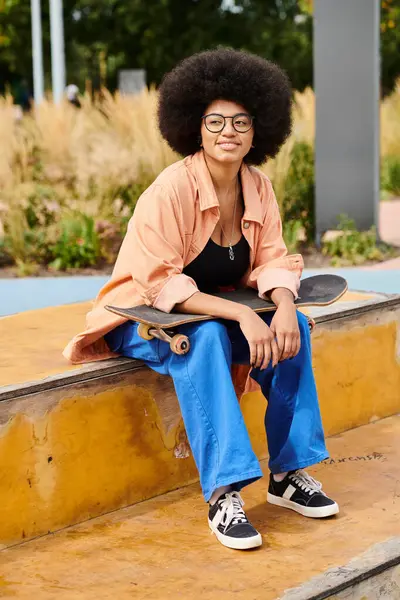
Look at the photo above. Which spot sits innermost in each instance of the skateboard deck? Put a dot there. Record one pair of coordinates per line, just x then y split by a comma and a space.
319, 290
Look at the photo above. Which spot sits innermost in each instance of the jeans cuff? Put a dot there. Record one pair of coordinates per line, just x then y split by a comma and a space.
276, 469
234, 479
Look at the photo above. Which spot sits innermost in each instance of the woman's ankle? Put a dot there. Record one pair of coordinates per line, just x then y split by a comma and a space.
218, 493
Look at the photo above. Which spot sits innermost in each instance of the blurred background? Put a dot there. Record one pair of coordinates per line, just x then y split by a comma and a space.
72, 171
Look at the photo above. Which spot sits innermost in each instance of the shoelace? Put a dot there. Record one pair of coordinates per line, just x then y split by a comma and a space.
232, 512
307, 483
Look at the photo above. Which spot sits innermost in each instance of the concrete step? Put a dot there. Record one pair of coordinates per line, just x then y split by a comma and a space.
76, 443
162, 548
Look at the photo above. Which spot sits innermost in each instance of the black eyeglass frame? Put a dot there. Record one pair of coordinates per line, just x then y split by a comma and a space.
224, 124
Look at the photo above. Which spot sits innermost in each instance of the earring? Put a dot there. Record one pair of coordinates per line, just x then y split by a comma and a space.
199, 141
253, 146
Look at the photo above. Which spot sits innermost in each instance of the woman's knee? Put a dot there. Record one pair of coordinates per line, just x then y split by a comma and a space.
209, 337
212, 330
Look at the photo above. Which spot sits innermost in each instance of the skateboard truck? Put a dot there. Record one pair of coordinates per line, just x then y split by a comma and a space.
178, 343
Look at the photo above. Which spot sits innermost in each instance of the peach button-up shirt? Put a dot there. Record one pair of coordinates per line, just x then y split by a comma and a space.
172, 222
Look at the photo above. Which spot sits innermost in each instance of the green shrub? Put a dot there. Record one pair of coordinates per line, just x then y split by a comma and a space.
110, 238
130, 194
42, 206
19, 242
390, 174
353, 247
77, 245
291, 235
5, 258
27, 268
299, 196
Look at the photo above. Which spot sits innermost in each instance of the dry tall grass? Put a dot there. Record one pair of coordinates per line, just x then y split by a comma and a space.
303, 130
87, 154
86, 157
115, 143
83, 159
390, 124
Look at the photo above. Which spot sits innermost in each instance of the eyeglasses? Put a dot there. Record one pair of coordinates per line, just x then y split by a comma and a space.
215, 123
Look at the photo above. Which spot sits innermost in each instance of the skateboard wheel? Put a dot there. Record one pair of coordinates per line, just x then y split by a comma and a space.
311, 324
180, 344
144, 331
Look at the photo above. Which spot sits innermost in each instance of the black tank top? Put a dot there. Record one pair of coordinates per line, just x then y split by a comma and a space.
213, 268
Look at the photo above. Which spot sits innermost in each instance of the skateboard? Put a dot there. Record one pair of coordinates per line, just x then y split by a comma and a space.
319, 290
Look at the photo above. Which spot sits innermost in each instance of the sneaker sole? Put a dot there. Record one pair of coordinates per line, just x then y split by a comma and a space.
306, 511
236, 543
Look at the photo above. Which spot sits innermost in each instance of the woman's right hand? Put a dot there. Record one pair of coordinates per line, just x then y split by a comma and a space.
260, 338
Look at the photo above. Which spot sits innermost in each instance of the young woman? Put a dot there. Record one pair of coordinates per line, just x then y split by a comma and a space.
211, 221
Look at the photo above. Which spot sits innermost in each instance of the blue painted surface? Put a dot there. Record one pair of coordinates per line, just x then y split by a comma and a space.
30, 293
18, 295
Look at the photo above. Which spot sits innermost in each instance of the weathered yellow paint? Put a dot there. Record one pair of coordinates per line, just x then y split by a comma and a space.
357, 373
162, 548
87, 455
70, 454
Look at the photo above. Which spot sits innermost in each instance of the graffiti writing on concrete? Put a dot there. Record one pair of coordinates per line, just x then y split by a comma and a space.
366, 458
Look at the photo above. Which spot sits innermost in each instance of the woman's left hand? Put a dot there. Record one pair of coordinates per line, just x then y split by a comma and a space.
285, 326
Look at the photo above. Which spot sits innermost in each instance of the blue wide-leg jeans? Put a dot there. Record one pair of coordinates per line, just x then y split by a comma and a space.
211, 412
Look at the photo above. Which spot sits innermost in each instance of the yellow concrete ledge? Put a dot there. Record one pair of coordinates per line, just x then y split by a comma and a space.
162, 548
114, 439
31, 342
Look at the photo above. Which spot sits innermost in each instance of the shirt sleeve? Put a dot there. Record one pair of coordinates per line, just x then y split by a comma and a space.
273, 267
154, 250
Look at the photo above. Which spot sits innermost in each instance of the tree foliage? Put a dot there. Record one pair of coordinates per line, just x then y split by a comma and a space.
390, 40
106, 35
390, 43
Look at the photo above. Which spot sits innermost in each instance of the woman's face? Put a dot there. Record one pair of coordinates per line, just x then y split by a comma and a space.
228, 145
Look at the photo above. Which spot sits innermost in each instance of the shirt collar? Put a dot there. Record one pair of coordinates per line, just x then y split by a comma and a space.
208, 197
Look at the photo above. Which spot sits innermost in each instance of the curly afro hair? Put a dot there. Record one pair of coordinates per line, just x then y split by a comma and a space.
225, 74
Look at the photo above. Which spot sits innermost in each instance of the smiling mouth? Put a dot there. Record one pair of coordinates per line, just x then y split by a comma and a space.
228, 145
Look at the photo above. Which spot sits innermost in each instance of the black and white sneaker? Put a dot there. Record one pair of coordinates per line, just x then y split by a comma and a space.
302, 493
228, 521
